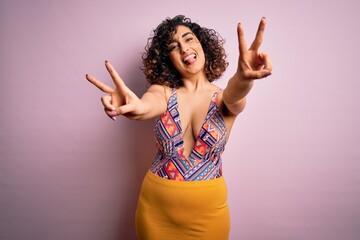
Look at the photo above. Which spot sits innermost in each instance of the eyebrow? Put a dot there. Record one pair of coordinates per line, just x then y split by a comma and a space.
184, 35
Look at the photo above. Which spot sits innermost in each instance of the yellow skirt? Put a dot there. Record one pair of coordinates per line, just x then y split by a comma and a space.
169, 209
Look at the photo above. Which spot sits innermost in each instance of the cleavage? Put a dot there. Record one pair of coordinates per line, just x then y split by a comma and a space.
192, 116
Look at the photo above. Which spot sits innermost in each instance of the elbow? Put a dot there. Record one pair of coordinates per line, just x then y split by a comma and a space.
237, 107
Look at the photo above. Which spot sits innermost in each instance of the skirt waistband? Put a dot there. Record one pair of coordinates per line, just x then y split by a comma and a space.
184, 184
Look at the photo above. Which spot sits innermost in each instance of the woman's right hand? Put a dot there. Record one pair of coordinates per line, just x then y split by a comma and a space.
118, 101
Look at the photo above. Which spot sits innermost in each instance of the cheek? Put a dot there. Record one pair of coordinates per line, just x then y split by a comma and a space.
172, 58
200, 50
202, 54
173, 61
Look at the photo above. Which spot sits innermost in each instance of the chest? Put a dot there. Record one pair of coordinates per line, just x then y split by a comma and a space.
190, 127
192, 114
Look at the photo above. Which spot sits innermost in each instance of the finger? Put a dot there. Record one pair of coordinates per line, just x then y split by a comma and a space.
102, 86
266, 61
241, 39
257, 74
106, 101
111, 114
115, 76
259, 35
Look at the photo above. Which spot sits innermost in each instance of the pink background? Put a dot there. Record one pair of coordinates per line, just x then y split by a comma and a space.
68, 172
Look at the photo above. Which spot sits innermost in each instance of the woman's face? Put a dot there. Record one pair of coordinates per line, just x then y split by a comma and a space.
186, 52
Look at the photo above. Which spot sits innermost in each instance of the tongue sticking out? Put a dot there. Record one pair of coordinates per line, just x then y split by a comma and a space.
190, 59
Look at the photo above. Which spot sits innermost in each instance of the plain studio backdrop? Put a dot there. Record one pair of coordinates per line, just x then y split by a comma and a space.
67, 171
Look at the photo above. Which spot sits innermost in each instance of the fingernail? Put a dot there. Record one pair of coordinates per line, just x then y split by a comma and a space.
106, 61
113, 113
86, 75
267, 74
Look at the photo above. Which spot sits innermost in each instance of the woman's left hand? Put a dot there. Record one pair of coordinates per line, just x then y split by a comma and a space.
253, 64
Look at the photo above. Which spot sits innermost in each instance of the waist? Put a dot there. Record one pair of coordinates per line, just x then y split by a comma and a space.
183, 184
170, 193
183, 169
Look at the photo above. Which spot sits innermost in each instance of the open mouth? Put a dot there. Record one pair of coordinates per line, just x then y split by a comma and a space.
190, 59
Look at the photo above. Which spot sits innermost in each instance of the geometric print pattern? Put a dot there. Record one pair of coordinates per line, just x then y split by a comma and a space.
204, 162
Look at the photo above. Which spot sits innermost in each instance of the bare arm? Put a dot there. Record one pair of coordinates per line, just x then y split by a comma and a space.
252, 64
123, 101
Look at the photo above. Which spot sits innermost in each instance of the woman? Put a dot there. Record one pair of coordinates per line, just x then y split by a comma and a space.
184, 195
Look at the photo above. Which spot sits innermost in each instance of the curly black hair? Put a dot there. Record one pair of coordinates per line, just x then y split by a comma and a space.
157, 66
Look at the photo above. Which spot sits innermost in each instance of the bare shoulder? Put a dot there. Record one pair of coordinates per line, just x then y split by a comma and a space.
156, 98
156, 90
159, 90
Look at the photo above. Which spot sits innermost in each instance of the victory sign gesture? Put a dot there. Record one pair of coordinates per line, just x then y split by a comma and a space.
253, 64
118, 101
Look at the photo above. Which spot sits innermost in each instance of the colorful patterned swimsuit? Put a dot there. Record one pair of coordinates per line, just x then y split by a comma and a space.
204, 162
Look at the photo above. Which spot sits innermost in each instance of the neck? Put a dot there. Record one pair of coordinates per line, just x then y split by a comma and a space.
195, 84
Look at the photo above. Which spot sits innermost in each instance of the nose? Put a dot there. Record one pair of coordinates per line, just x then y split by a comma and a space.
183, 48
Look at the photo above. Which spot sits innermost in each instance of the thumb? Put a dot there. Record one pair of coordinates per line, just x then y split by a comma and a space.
265, 73
125, 109
120, 111
257, 74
